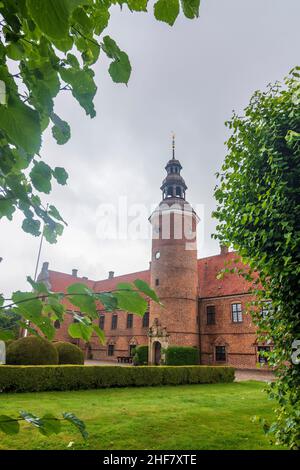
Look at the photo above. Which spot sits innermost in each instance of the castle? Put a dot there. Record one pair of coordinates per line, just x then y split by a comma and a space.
200, 310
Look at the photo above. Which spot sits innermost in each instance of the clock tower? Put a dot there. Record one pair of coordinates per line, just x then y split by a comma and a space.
174, 274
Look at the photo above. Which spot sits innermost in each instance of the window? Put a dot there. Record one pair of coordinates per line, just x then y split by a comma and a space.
146, 320
129, 320
236, 313
114, 322
266, 308
157, 282
261, 350
57, 324
211, 314
101, 322
111, 350
220, 353
132, 349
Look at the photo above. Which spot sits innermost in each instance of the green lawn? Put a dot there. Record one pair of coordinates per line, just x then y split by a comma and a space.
181, 417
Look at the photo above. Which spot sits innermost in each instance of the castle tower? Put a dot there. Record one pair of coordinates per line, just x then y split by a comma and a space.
173, 269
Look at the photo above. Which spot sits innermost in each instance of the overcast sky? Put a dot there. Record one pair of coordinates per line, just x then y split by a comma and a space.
187, 78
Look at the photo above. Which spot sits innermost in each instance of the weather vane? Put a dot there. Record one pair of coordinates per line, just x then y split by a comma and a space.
173, 144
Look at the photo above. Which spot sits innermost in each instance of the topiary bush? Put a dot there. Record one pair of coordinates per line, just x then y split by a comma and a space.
140, 357
181, 356
78, 377
69, 353
32, 350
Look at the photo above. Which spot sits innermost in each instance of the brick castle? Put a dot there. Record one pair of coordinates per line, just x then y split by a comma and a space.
200, 310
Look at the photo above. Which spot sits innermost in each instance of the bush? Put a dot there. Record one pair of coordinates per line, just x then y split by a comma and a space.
181, 356
74, 377
69, 353
31, 350
140, 357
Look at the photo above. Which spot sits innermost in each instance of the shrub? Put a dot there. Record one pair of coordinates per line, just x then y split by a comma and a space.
140, 355
31, 350
181, 356
69, 353
76, 377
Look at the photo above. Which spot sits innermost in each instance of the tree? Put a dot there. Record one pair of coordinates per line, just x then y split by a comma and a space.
258, 214
36, 40
9, 322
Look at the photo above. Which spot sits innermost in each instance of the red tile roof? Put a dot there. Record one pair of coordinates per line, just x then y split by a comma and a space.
208, 269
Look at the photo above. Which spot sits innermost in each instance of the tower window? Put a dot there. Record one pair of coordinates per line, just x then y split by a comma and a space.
111, 350
211, 314
157, 282
114, 322
101, 322
129, 320
146, 320
221, 353
178, 191
236, 313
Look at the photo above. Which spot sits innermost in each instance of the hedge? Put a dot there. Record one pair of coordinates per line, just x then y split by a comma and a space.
74, 377
68, 353
181, 356
31, 350
140, 357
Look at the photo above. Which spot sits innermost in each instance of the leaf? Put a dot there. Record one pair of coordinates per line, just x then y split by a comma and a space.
38, 287
108, 300
166, 10
83, 86
28, 307
31, 418
21, 124
190, 8
120, 68
146, 289
60, 175
1, 300
131, 302
41, 175
50, 425
30, 225
78, 423
137, 5
53, 212
6, 334
99, 333
85, 300
53, 16
79, 330
61, 129
9, 425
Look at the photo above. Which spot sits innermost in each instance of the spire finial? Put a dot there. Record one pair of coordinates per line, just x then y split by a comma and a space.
173, 145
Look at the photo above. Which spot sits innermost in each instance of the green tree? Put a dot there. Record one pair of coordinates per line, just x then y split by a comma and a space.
47, 47
259, 215
9, 322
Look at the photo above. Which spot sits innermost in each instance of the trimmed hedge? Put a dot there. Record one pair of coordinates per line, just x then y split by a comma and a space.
181, 356
32, 350
69, 353
70, 377
140, 357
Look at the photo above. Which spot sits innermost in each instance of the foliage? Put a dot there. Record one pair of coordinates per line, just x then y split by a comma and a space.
47, 48
68, 353
181, 356
78, 377
259, 215
30, 351
140, 357
47, 424
9, 322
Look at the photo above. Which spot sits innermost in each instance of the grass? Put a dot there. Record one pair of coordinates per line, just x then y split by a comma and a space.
183, 417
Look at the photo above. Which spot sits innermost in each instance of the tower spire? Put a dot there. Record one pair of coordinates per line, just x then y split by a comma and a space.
173, 145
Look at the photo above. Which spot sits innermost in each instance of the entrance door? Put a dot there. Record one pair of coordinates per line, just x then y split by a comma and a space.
157, 353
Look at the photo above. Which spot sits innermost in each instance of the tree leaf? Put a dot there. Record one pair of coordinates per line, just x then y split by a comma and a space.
131, 302
21, 124
84, 300
166, 10
61, 130
120, 69
190, 8
100, 333
60, 175
6, 334
80, 330
50, 425
31, 418
78, 423
9, 425
146, 289
41, 175
137, 5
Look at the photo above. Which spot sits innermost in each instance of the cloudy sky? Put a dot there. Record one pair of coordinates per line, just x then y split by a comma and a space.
186, 79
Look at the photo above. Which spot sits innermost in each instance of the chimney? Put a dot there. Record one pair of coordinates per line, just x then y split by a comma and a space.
85, 278
74, 272
45, 266
111, 274
223, 250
